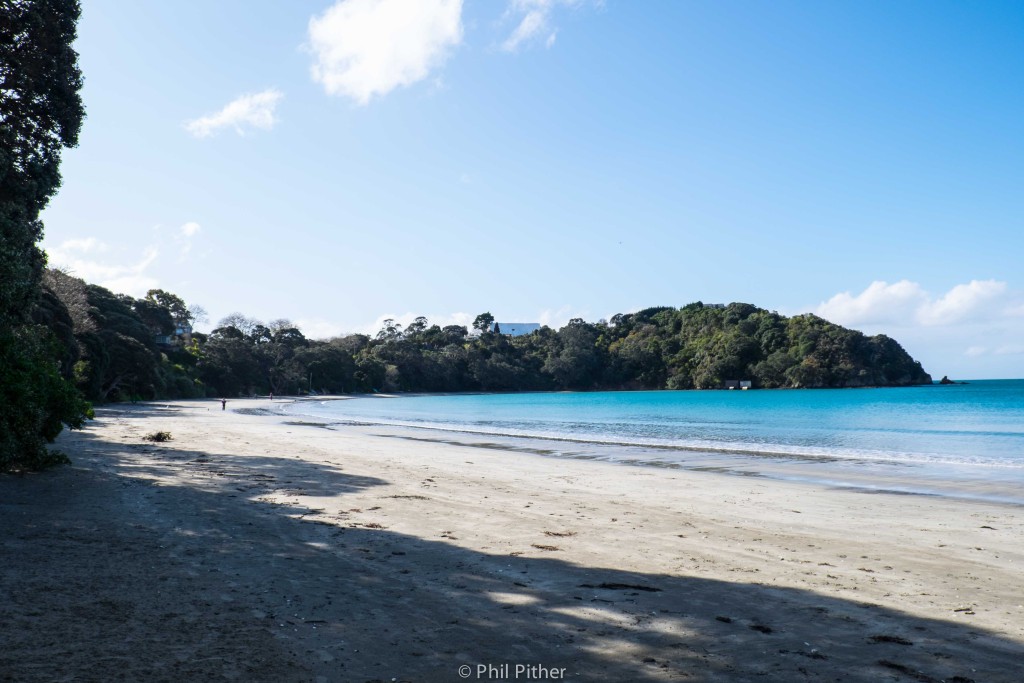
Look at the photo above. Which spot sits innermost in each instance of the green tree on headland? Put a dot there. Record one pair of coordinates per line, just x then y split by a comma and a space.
482, 323
41, 112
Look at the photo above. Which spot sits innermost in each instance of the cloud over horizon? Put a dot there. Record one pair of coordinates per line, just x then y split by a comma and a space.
978, 321
77, 257
245, 113
907, 302
363, 48
117, 269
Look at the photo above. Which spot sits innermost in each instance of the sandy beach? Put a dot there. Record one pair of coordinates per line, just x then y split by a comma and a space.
252, 547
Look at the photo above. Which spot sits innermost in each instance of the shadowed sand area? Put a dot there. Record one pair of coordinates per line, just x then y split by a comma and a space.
250, 549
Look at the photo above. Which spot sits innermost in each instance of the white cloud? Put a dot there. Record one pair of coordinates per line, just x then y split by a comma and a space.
363, 48
245, 113
908, 303
532, 24
184, 238
535, 22
556, 319
318, 328
962, 302
879, 303
127, 279
84, 245
134, 285
190, 229
971, 330
1009, 350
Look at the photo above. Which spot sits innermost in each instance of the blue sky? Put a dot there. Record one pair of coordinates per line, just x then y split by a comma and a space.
337, 163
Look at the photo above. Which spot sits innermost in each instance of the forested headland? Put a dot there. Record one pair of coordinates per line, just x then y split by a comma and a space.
118, 348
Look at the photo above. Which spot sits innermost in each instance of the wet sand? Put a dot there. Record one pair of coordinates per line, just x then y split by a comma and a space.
250, 549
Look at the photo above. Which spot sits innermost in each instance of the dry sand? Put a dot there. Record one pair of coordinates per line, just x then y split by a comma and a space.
249, 549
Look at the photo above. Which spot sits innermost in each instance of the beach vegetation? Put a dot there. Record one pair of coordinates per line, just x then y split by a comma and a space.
158, 437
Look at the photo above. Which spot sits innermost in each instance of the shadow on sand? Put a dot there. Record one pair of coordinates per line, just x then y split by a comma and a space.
199, 577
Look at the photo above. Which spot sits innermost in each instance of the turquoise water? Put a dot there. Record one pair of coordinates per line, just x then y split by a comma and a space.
970, 432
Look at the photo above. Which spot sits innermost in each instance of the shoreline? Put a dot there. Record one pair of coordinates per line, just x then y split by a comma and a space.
250, 548
723, 461
871, 474
510, 392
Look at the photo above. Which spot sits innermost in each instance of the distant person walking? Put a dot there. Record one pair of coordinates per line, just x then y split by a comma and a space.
271, 395
223, 404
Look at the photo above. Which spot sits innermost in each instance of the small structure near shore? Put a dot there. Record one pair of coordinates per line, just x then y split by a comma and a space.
742, 384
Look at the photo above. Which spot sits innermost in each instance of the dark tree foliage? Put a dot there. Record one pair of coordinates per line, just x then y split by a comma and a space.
35, 400
262, 359
51, 313
482, 323
40, 114
121, 358
158, 319
175, 307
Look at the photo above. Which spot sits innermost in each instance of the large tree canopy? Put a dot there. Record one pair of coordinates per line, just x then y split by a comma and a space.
40, 113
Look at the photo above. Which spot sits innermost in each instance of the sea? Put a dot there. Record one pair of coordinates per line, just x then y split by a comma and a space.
961, 440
